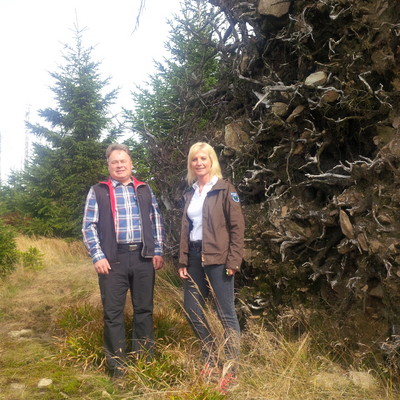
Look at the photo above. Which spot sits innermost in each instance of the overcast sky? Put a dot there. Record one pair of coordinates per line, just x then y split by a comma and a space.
32, 34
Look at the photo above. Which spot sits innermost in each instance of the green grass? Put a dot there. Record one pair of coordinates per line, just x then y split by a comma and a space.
61, 306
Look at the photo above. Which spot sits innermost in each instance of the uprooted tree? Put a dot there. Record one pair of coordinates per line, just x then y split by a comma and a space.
304, 112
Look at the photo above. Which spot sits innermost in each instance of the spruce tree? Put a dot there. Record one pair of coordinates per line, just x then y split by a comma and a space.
69, 155
172, 111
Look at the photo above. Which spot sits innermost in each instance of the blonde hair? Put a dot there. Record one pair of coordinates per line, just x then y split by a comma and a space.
206, 148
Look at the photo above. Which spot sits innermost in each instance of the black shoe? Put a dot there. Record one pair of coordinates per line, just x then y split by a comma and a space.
116, 372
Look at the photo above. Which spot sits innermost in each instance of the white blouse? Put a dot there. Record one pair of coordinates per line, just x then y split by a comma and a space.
195, 209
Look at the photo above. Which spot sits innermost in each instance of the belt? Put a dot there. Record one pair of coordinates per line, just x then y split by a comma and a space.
130, 246
196, 245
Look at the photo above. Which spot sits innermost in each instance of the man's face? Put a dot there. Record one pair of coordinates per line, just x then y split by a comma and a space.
120, 166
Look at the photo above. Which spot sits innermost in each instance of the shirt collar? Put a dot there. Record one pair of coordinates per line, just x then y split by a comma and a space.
115, 183
212, 182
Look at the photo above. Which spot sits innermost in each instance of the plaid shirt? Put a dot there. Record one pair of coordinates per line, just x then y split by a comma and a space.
128, 227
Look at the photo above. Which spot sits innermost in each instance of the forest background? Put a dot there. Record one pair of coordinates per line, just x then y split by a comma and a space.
301, 101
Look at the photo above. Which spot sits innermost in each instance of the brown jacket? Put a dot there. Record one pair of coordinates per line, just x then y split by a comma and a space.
223, 227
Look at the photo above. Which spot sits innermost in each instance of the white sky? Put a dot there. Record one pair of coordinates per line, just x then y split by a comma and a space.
32, 34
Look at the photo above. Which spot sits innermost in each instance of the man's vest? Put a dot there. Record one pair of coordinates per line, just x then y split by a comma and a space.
106, 225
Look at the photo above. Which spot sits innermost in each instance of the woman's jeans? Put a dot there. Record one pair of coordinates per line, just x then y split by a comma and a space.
203, 282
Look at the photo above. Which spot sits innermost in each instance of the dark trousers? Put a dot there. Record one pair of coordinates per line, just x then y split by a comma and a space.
135, 273
203, 282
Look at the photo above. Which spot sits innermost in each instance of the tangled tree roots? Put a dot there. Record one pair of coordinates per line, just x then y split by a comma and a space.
318, 161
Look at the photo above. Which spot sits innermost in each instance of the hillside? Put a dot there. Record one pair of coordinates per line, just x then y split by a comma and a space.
51, 329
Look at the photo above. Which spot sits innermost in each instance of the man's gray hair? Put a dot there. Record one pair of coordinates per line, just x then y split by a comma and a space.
117, 146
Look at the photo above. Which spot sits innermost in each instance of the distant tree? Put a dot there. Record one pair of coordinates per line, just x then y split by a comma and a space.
139, 155
176, 108
8, 249
69, 155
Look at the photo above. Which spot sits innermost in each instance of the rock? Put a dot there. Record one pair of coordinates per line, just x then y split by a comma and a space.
384, 218
391, 149
295, 113
396, 84
377, 292
21, 333
218, 136
45, 382
362, 241
329, 380
274, 7
235, 136
248, 254
316, 79
280, 109
345, 225
363, 380
375, 245
228, 152
345, 246
299, 148
349, 197
330, 96
384, 135
17, 387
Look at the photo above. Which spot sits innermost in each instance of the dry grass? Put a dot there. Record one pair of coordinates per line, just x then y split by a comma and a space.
37, 297
62, 300
32, 301
289, 370
55, 251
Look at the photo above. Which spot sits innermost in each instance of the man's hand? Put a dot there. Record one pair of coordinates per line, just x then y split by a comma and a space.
183, 273
158, 262
102, 266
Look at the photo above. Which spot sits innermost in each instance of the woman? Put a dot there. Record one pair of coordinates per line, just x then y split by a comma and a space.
211, 248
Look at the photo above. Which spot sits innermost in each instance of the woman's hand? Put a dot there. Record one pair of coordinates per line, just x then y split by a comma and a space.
183, 273
230, 271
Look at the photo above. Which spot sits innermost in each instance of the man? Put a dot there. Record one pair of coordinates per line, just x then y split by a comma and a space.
123, 232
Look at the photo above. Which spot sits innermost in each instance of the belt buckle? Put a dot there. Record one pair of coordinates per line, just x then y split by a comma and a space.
196, 245
132, 247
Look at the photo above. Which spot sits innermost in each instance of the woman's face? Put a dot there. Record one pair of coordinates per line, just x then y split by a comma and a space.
201, 165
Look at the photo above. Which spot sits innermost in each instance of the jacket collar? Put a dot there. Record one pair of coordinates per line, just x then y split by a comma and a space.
212, 182
111, 184
219, 185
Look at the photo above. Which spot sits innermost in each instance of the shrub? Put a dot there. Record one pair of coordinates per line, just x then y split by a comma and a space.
8, 249
32, 258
